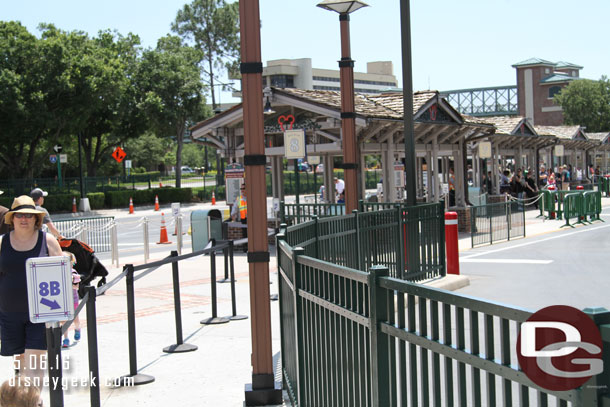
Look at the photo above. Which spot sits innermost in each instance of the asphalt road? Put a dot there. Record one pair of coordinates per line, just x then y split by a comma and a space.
569, 267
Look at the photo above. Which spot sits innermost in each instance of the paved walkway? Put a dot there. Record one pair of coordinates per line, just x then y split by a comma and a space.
216, 373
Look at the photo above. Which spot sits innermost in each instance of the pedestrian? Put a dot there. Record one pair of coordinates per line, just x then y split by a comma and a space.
339, 186
21, 339
451, 187
239, 211
3, 226
16, 393
75, 282
531, 189
542, 176
38, 196
341, 199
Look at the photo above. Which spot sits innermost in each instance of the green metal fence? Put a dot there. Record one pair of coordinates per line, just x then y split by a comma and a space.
96, 232
355, 338
409, 240
303, 212
496, 222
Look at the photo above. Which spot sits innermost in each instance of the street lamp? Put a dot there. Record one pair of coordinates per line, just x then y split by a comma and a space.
348, 111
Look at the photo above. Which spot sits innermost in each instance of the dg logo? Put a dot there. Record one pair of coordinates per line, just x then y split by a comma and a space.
559, 348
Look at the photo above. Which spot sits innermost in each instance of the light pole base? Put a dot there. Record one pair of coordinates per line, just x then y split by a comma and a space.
183, 347
83, 205
214, 321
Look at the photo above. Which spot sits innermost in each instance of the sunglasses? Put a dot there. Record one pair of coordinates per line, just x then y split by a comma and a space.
24, 215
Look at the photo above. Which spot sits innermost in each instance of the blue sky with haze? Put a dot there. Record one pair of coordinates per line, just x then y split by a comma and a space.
456, 44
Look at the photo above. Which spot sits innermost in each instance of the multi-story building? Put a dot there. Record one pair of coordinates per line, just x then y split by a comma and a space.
299, 73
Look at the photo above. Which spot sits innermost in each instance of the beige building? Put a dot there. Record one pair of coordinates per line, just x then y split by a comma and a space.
299, 73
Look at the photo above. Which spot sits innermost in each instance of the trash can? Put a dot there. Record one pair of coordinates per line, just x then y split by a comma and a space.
206, 224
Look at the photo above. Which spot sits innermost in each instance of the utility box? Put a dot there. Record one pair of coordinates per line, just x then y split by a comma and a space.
206, 224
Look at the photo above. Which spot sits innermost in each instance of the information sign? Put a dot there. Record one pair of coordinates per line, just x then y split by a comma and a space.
49, 284
234, 177
294, 143
485, 149
53, 158
63, 158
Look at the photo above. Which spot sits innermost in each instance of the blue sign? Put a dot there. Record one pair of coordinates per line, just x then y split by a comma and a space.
49, 282
53, 158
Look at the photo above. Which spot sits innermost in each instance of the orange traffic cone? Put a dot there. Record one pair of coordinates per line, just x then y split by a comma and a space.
73, 204
156, 202
163, 237
213, 198
130, 206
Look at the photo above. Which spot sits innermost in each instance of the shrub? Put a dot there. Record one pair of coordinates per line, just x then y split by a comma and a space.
96, 200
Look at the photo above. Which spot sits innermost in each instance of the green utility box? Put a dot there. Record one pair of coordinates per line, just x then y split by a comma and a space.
206, 224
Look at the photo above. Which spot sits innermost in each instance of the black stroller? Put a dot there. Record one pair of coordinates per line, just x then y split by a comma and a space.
87, 265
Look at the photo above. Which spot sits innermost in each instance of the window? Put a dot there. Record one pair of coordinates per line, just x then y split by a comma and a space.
553, 90
282, 81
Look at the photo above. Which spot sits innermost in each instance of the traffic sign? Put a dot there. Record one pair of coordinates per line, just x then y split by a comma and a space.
49, 283
58, 148
127, 163
63, 158
119, 154
53, 158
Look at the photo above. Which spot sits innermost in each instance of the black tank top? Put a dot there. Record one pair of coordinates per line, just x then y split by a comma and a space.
13, 283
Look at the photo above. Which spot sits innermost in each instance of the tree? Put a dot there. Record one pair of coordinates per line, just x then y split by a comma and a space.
213, 27
148, 151
169, 78
586, 103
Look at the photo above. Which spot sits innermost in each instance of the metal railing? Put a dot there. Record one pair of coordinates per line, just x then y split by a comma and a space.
96, 232
303, 212
409, 240
496, 222
355, 338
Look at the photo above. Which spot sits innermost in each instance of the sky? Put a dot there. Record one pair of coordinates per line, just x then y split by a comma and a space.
455, 44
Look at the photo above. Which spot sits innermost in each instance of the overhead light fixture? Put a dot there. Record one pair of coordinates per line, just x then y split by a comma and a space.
342, 7
268, 109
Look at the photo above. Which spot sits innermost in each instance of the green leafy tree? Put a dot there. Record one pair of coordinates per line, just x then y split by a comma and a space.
586, 103
169, 78
148, 151
212, 26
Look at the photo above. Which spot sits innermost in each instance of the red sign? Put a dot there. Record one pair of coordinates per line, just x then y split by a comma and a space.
285, 119
119, 154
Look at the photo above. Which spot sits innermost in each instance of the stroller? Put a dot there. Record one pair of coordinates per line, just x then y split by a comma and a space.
87, 265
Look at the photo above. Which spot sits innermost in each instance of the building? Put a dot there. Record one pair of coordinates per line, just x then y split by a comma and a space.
299, 73
538, 81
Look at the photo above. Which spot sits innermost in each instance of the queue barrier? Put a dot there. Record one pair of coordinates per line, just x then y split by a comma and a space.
54, 331
581, 205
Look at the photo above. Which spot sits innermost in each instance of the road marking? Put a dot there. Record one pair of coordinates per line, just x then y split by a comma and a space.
506, 261
561, 236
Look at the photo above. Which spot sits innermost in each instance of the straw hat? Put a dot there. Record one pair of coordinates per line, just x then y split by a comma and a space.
23, 204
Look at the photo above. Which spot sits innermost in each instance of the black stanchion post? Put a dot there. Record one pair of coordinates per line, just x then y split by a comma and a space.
94, 386
56, 393
234, 316
180, 346
215, 319
133, 378
226, 261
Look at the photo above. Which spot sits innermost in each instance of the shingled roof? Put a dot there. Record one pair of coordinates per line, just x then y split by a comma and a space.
603, 137
375, 106
504, 124
561, 132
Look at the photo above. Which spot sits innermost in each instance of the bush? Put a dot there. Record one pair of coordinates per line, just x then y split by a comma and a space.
96, 200
206, 194
58, 202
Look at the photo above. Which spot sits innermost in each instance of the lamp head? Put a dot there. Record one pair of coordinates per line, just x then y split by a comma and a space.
342, 6
268, 109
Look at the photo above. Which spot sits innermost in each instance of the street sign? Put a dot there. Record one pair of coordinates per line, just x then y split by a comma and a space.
127, 163
58, 148
53, 158
119, 154
176, 209
294, 143
49, 283
63, 158
234, 176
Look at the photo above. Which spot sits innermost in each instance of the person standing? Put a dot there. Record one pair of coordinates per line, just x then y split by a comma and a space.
239, 211
38, 195
451, 187
339, 186
21, 339
4, 228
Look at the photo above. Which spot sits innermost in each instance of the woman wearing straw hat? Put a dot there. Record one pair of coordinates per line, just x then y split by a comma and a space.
20, 338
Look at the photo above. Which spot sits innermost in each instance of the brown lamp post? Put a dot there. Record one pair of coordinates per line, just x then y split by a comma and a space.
263, 390
348, 111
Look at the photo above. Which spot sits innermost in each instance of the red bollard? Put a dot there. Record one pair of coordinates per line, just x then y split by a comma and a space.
451, 243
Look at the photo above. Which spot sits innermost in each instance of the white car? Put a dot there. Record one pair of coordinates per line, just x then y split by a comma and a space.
187, 170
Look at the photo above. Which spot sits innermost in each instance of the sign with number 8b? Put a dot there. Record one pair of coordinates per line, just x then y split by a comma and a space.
49, 282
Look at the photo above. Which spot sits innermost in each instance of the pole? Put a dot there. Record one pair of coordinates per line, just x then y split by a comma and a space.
80, 166
348, 117
59, 170
53, 334
263, 389
92, 350
407, 85
296, 181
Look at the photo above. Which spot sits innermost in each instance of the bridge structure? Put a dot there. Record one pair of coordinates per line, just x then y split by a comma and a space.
492, 101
